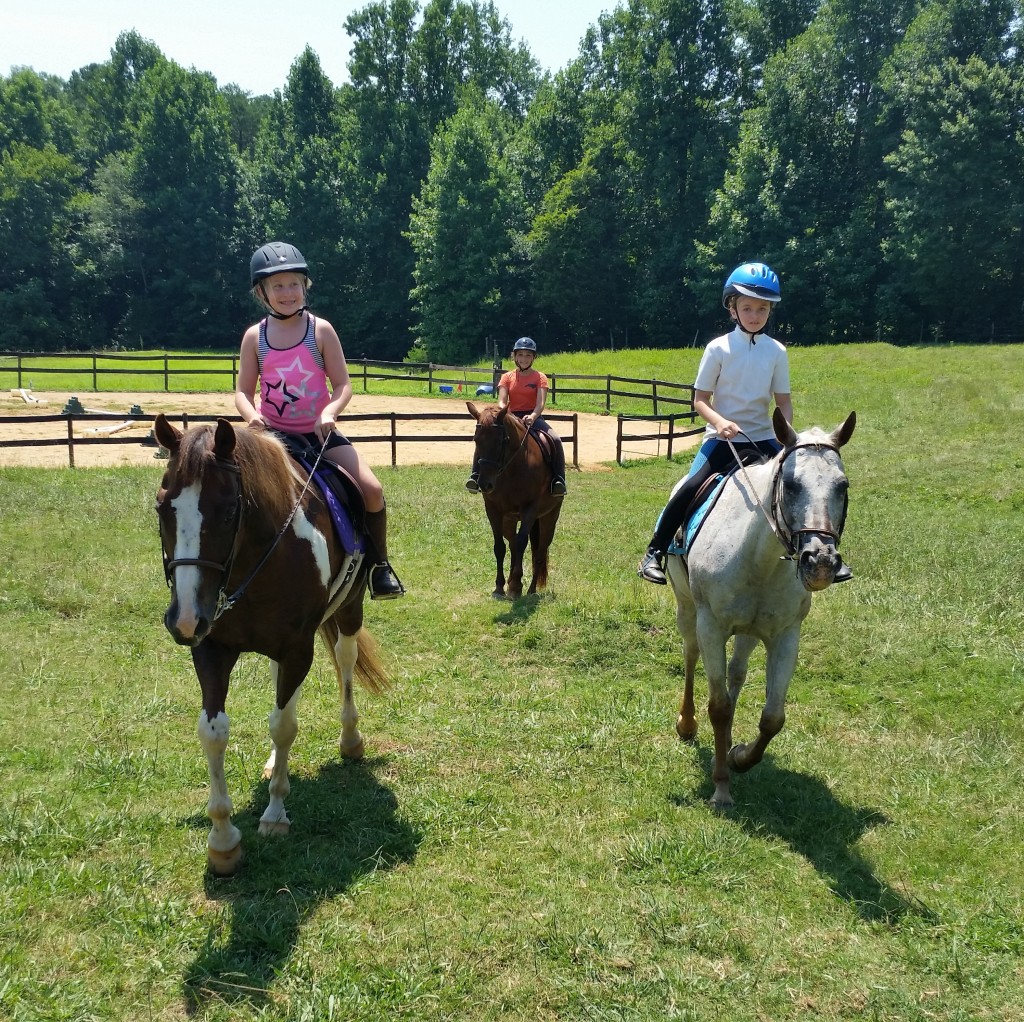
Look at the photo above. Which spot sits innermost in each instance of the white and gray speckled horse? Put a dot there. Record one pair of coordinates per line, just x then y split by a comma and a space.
770, 541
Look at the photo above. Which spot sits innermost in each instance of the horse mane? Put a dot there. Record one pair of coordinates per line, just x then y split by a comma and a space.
268, 476
490, 412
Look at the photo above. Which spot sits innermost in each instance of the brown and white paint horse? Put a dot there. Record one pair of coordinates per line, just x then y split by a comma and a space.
253, 564
769, 542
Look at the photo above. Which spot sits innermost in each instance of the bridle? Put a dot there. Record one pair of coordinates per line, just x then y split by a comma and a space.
502, 463
791, 537
225, 602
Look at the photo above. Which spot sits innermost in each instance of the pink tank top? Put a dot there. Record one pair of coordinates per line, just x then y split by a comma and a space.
293, 383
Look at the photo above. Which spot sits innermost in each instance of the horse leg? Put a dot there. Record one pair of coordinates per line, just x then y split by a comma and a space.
213, 664
720, 705
780, 662
288, 675
541, 535
686, 624
344, 651
518, 544
494, 516
743, 646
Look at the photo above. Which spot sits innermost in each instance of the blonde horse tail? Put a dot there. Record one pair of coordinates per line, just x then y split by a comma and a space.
369, 667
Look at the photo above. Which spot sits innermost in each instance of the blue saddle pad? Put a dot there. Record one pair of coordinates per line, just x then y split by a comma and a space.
688, 533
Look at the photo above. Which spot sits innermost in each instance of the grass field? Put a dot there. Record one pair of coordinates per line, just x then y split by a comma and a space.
527, 839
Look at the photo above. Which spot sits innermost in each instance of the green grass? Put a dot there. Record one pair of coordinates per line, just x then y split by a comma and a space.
527, 839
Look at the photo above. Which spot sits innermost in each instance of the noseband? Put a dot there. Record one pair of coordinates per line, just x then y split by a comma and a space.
502, 463
224, 567
790, 537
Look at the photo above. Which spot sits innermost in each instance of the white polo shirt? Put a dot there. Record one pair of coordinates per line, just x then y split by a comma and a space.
742, 378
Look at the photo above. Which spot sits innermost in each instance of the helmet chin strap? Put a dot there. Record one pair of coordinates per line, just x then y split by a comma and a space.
277, 315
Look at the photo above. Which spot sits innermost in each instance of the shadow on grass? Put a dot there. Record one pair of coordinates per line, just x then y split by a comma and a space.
519, 610
344, 827
801, 810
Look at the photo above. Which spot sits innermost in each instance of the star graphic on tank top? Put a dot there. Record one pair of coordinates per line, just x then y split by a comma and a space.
289, 396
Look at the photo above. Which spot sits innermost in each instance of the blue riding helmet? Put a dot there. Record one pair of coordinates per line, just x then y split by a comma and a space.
755, 280
525, 344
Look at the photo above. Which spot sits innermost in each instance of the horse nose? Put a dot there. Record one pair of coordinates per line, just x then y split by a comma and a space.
818, 564
185, 630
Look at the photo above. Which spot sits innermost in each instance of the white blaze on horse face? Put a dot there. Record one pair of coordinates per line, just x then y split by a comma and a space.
188, 523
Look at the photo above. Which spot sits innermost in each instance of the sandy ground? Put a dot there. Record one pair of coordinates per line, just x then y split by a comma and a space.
131, 446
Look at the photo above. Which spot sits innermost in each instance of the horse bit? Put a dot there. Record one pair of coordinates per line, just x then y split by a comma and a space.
502, 462
787, 536
224, 602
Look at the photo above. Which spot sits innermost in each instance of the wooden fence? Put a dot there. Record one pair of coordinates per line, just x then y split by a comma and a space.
72, 441
19, 370
668, 436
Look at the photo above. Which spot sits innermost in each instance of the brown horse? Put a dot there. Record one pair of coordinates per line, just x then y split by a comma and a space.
254, 565
516, 484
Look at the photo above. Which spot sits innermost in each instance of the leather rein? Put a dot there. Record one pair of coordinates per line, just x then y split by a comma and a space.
225, 602
783, 532
503, 462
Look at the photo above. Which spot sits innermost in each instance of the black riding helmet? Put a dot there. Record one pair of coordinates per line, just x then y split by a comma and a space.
276, 257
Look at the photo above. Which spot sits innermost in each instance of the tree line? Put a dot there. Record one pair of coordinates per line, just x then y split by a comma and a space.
450, 196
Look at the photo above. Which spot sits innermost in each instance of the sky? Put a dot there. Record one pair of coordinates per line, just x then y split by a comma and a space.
251, 43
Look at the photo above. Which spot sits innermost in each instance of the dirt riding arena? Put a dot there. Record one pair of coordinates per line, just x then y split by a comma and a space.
596, 442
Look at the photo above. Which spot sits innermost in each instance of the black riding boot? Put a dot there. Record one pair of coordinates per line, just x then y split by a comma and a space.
652, 567
558, 486
844, 574
384, 583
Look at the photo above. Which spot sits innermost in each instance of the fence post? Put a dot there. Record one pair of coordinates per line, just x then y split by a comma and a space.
608, 394
575, 441
94, 387
234, 372
671, 433
167, 380
618, 439
364, 375
71, 442
394, 441
430, 377
654, 395
19, 371
554, 389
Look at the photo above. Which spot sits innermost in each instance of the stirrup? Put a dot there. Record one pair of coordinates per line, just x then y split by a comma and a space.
651, 568
473, 484
384, 583
558, 486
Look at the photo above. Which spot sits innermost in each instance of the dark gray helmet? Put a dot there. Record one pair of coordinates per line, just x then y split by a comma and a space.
525, 344
276, 257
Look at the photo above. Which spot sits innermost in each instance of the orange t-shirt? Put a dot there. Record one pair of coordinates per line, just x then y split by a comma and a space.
522, 388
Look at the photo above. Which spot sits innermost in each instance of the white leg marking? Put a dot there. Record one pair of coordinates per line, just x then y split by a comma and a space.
346, 651
213, 736
284, 726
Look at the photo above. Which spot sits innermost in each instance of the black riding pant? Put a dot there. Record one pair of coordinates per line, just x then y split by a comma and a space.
713, 458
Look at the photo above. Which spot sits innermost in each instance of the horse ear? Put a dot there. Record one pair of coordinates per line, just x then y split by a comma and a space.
783, 430
166, 435
224, 440
842, 434
473, 410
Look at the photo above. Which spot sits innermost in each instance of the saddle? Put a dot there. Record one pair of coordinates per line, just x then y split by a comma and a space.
704, 500
339, 490
546, 443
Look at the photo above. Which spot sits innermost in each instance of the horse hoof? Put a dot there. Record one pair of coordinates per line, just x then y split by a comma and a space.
354, 751
224, 864
686, 729
734, 761
272, 828
720, 804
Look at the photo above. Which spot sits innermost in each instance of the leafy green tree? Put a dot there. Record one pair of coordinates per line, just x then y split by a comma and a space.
464, 232
184, 177
956, 196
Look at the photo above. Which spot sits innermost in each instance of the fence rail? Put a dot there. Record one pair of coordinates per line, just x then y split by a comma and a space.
392, 437
669, 436
25, 369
